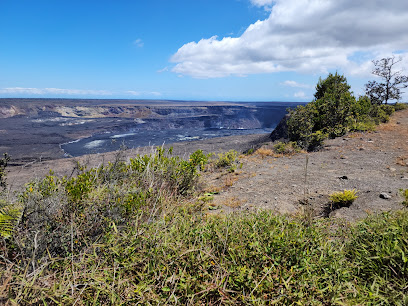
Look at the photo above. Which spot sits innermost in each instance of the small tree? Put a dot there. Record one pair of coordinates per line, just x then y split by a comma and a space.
329, 114
392, 82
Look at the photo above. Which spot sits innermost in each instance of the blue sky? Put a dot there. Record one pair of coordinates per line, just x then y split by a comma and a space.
234, 50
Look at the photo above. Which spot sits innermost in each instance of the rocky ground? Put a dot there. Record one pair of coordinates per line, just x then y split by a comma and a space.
375, 164
372, 163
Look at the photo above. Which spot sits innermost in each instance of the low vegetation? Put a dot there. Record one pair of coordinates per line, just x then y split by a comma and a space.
226, 159
343, 198
286, 148
135, 232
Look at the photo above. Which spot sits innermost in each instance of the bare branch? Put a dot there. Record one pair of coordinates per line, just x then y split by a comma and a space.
393, 81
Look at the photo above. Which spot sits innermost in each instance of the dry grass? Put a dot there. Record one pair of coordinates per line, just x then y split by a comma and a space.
230, 179
402, 160
264, 152
232, 202
212, 189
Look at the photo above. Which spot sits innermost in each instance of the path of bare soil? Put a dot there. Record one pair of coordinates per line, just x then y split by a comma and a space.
372, 163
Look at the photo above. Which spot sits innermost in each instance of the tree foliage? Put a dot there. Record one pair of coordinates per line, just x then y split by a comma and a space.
332, 113
328, 115
391, 81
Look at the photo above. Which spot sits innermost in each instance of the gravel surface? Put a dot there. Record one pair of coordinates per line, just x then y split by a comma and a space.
372, 163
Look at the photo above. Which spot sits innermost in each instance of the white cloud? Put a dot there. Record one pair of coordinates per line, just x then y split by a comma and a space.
267, 4
138, 43
296, 84
163, 70
56, 91
300, 95
143, 93
309, 36
73, 92
133, 93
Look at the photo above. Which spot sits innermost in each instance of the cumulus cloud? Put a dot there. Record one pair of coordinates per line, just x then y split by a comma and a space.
296, 84
267, 4
309, 36
56, 91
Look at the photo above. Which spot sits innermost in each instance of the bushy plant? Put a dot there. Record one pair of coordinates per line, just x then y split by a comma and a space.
286, 147
328, 115
366, 123
198, 158
333, 113
362, 107
301, 124
226, 159
84, 207
378, 114
388, 109
344, 198
400, 106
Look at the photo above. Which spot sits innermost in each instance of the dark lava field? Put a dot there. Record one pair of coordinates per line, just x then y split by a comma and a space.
39, 129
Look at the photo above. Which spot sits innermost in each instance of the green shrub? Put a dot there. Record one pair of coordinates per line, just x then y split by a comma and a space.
400, 106
365, 124
316, 140
388, 109
286, 147
301, 124
328, 115
333, 113
198, 158
226, 159
378, 114
362, 107
96, 199
343, 199
185, 257
337, 131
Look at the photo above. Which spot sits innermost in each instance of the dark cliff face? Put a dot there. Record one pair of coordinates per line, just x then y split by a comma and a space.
224, 115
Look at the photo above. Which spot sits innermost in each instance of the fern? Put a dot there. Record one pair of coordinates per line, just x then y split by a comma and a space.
9, 216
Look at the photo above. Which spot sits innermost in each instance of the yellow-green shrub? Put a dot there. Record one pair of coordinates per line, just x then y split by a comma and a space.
344, 198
